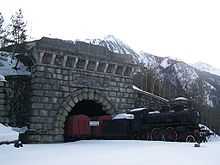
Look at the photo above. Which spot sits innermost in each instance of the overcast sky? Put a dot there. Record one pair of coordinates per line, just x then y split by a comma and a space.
185, 29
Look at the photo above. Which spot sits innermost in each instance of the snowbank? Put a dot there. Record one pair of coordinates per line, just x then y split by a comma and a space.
7, 134
7, 64
213, 137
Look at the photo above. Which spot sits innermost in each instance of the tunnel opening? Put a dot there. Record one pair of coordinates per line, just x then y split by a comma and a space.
89, 108
78, 122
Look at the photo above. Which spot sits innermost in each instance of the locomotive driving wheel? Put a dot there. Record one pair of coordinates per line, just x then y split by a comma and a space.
170, 134
147, 136
190, 139
156, 134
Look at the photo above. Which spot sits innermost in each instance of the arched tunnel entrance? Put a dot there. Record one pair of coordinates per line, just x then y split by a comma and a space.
89, 108
83, 121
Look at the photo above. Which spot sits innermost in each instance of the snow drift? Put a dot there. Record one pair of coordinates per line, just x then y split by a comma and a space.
7, 134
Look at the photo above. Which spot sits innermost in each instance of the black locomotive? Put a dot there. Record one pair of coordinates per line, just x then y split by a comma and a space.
180, 123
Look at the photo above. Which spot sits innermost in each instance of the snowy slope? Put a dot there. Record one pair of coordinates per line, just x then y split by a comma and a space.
179, 73
149, 60
111, 153
207, 68
185, 74
7, 64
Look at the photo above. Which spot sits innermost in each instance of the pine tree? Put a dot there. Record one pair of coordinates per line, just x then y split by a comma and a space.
17, 34
18, 28
2, 30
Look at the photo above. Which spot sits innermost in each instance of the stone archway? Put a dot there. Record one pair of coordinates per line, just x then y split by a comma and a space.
72, 100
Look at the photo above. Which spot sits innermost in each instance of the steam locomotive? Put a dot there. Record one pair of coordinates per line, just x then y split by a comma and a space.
177, 122
154, 125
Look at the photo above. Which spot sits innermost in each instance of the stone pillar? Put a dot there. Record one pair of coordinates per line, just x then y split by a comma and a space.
4, 108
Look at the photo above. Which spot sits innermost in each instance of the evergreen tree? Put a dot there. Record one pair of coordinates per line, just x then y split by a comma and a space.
17, 34
18, 28
2, 30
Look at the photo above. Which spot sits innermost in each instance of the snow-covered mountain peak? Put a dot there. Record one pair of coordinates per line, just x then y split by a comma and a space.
148, 60
207, 68
113, 44
111, 38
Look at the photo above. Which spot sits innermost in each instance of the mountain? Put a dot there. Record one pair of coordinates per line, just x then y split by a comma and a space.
180, 77
207, 68
113, 44
185, 79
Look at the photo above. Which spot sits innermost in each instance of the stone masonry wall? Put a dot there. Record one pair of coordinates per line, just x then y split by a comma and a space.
18, 99
4, 108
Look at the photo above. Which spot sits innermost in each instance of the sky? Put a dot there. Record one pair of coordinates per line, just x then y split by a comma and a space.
188, 30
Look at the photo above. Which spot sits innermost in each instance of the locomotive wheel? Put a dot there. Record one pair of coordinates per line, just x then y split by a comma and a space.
190, 139
135, 136
170, 134
156, 134
147, 136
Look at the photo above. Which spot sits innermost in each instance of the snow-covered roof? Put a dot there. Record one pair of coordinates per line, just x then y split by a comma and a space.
181, 98
153, 112
123, 116
137, 109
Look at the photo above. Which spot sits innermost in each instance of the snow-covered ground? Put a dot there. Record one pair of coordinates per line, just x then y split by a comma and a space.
102, 152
